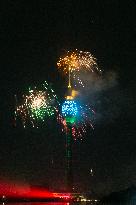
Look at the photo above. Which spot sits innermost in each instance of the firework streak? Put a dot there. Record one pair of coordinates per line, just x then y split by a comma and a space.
78, 117
37, 105
75, 62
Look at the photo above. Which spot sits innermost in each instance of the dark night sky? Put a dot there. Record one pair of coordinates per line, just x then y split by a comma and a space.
33, 34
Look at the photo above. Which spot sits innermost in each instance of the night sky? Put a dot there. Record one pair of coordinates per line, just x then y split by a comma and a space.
33, 35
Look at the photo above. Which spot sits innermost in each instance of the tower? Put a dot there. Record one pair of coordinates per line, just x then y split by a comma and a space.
69, 112
69, 159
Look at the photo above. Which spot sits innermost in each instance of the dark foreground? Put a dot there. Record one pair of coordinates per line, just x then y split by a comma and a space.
48, 203
68, 203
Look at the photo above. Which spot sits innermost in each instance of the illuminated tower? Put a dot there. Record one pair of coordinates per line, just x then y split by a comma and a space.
69, 112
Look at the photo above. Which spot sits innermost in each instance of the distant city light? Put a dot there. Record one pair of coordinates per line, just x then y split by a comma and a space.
91, 172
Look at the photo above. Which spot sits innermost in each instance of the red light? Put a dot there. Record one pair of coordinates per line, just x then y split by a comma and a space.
13, 190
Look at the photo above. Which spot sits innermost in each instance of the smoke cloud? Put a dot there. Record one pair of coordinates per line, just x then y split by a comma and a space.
106, 95
96, 83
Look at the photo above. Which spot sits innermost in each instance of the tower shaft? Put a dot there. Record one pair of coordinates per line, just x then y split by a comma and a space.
69, 168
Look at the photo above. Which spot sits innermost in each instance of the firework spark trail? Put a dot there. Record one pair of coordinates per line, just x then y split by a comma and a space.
80, 124
37, 105
75, 62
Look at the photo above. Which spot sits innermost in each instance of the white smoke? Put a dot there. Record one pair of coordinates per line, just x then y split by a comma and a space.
96, 83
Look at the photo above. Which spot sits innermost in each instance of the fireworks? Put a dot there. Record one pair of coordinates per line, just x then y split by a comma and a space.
76, 64
77, 61
69, 108
37, 105
77, 118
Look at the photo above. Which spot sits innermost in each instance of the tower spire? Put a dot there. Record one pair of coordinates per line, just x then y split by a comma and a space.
69, 77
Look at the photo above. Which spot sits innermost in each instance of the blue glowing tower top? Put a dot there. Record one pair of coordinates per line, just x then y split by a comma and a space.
70, 110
